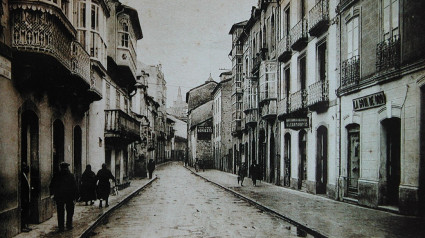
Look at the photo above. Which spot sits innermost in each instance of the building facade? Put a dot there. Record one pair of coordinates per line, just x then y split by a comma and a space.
200, 123
222, 117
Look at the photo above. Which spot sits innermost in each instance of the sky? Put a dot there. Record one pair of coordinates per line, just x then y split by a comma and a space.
190, 38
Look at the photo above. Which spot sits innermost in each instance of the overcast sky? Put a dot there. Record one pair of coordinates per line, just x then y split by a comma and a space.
188, 37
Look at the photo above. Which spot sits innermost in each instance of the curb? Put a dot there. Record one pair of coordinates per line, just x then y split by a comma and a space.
96, 222
263, 207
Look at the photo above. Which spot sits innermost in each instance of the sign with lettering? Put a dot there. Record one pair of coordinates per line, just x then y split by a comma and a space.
204, 132
297, 123
5, 67
370, 101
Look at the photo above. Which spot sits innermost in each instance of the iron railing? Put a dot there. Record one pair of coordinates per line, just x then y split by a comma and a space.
269, 109
298, 100
318, 14
388, 54
299, 32
350, 72
118, 123
283, 106
284, 48
318, 92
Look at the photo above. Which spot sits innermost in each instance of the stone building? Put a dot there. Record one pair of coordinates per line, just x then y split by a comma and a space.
381, 92
236, 55
57, 60
200, 123
179, 107
222, 118
176, 138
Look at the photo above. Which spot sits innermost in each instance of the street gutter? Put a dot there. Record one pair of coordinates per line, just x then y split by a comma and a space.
263, 207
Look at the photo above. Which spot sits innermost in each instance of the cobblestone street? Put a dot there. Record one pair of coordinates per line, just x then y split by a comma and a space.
180, 204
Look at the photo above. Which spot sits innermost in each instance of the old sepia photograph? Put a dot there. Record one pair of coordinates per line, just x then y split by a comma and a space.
212, 118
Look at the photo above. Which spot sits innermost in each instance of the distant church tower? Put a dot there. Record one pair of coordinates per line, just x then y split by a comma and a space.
179, 108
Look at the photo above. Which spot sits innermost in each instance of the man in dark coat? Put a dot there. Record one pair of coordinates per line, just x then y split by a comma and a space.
25, 198
253, 170
104, 186
88, 186
151, 167
64, 189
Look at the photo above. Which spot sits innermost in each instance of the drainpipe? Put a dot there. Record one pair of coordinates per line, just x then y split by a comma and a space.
338, 115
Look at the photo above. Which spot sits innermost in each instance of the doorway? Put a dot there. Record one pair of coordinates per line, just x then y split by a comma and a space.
29, 156
58, 145
302, 144
322, 160
77, 153
287, 161
391, 151
272, 158
353, 160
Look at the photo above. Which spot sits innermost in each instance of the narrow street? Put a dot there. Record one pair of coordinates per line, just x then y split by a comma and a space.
180, 204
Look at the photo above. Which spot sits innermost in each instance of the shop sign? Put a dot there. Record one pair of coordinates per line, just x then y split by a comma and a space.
204, 132
296, 123
370, 101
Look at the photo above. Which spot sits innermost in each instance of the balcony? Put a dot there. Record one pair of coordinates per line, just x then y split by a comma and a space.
237, 87
318, 18
388, 54
284, 51
269, 110
299, 35
283, 107
350, 73
298, 101
251, 118
256, 61
236, 127
120, 127
318, 95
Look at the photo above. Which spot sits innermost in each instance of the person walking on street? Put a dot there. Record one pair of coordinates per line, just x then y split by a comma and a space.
103, 185
151, 167
88, 186
242, 173
64, 189
253, 172
25, 198
196, 164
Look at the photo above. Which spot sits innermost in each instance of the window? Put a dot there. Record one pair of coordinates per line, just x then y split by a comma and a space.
118, 100
302, 72
287, 85
353, 37
124, 35
94, 17
303, 8
82, 15
322, 61
108, 96
390, 18
287, 20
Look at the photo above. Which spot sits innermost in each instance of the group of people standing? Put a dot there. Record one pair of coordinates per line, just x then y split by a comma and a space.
254, 171
65, 190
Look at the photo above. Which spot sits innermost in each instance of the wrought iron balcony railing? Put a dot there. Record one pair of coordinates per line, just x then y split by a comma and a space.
298, 100
269, 110
120, 125
350, 72
284, 50
299, 35
318, 93
318, 18
283, 106
388, 54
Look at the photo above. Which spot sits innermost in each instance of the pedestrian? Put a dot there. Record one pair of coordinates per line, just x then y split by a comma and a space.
196, 164
25, 198
64, 189
103, 184
253, 173
151, 167
186, 161
242, 173
88, 186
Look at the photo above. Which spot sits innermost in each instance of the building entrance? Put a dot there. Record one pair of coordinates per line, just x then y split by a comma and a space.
322, 160
391, 151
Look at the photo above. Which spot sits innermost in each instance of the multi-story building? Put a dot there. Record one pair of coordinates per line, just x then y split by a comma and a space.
222, 148
236, 55
56, 96
200, 123
381, 90
176, 139
113, 127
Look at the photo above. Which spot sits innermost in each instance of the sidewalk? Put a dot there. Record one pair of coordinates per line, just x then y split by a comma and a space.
85, 216
327, 217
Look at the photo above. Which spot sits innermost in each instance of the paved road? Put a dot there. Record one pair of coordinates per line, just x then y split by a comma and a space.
180, 204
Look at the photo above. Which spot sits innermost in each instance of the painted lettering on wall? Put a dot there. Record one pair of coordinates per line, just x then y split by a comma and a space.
370, 101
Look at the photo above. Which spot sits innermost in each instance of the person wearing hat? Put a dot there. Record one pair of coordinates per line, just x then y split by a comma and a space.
64, 189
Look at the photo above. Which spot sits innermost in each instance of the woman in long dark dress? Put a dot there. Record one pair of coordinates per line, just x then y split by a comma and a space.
88, 186
104, 186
